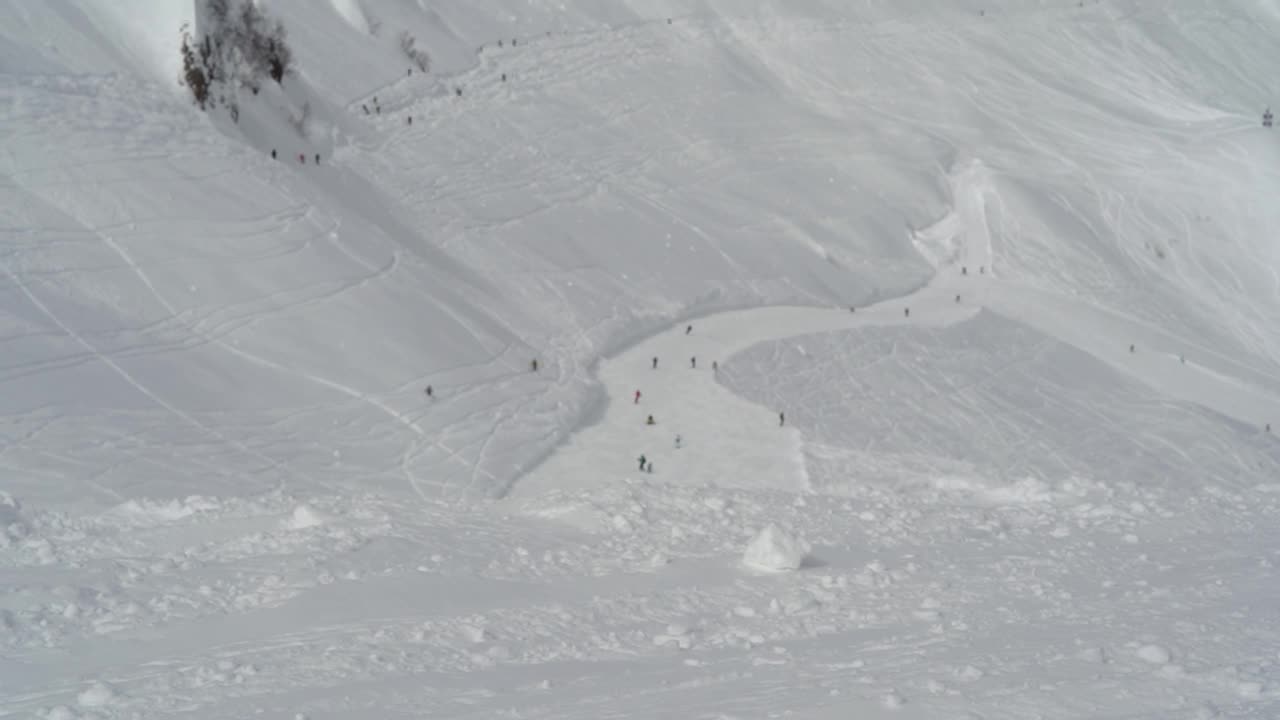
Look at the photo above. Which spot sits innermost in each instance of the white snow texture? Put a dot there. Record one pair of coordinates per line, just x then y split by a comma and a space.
966, 315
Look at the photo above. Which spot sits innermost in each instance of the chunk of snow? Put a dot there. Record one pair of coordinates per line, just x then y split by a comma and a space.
475, 633
1153, 654
10, 509
774, 550
305, 516
1249, 689
98, 694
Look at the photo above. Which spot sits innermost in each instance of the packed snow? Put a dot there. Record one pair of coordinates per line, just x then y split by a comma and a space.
788, 358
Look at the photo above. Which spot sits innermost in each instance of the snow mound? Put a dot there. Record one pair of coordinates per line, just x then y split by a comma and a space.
98, 694
774, 550
10, 509
148, 512
1153, 654
1028, 491
305, 516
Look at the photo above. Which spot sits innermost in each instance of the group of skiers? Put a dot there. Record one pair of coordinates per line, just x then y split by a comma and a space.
646, 465
302, 157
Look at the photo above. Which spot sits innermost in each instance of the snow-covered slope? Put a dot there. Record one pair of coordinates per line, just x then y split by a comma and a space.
225, 491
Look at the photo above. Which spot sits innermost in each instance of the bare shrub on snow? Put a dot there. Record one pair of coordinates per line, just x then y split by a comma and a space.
408, 44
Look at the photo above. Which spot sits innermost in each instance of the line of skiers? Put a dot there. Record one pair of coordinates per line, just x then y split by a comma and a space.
302, 157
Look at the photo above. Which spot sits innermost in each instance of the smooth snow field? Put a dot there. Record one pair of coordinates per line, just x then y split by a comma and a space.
958, 323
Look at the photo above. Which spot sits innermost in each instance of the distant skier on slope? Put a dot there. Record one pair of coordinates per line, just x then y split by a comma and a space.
429, 391
693, 362
688, 330
679, 442
642, 462
533, 364
637, 402
1267, 118
782, 419
650, 421
655, 362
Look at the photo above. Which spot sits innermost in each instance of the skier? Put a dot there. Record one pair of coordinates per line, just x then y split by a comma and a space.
964, 269
906, 312
302, 158
715, 366
782, 419
410, 119
642, 462
693, 362
655, 363
273, 153
429, 391
1130, 348
317, 158
688, 330
533, 364
649, 467
679, 442
957, 298
1267, 118
504, 77
637, 397
650, 421
366, 109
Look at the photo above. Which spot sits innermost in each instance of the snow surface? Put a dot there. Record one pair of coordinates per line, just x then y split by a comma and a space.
1047, 490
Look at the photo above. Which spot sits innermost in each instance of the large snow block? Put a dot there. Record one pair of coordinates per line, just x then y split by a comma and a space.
774, 550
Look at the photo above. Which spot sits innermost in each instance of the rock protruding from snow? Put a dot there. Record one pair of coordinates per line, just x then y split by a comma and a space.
774, 550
